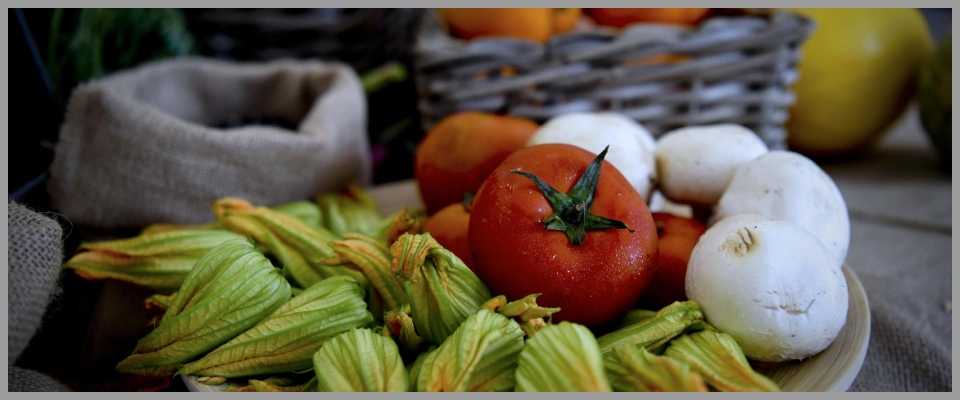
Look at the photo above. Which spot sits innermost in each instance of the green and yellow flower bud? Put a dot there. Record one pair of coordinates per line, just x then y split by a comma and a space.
399, 325
286, 340
654, 333
634, 369
718, 358
230, 289
562, 358
162, 227
442, 291
480, 356
373, 258
296, 245
526, 311
305, 211
360, 360
273, 384
351, 210
405, 221
414, 368
156, 260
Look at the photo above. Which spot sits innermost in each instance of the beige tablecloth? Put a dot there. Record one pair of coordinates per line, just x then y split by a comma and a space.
900, 248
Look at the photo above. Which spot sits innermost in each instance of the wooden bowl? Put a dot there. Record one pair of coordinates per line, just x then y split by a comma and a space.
833, 370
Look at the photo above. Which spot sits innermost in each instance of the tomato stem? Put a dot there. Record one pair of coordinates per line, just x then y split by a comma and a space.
571, 211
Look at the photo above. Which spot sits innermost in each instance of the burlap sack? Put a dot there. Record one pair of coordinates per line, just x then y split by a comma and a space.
25, 380
35, 255
141, 146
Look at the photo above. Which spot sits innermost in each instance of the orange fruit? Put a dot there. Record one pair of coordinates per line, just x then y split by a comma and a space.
536, 24
458, 153
449, 227
621, 17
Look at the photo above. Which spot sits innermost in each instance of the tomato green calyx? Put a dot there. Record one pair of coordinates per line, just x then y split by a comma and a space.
571, 211
467, 201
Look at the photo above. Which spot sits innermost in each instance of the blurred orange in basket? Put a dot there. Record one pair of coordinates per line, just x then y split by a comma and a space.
458, 153
536, 24
621, 17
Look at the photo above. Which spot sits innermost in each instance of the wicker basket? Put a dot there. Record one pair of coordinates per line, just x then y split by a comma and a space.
729, 69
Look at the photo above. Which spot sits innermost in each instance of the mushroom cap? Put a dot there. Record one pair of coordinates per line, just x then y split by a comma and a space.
770, 284
695, 164
784, 185
631, 145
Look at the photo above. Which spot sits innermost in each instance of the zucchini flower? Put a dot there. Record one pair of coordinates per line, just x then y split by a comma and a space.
166, 227
274, 384
397, 323
285, 340
443, 292
404, 221
297, 246
480, 356
360, 360
526, 311
562, 358
414, 368
229, 290
718, 358
636, 315
302, 210
351, 210
305, 211
372, 257
654, 333
634, 369
156, 260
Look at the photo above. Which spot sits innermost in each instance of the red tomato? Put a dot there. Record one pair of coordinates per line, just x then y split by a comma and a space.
449, 227
515, 255
678, 236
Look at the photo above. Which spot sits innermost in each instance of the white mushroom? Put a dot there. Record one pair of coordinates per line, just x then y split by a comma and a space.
784, 185
695, 164
631, 145
770, 284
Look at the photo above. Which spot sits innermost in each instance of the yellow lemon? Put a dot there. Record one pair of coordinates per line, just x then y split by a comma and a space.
857, 75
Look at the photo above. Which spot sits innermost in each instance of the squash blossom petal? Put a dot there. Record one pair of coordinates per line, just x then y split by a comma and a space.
414, 368
285, 340
305, 211
350, 210
480, 356
297, 246
156, 260
562, 358
360, 360
372, 257
229, 290
274, 384
634, 369
398, 324
718, 358
526, 311
654, 333
404, 221
442, 291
